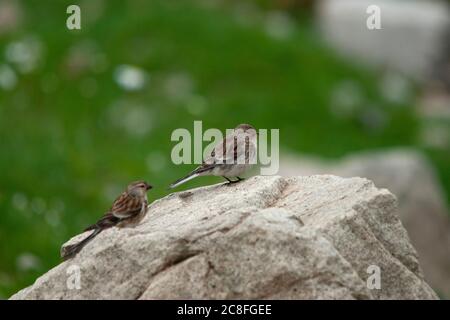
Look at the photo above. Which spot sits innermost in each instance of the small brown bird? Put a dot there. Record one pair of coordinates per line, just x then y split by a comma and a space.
130, 206
230, 158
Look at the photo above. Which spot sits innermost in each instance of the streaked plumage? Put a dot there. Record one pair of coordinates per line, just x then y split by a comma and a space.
230, 158
131, 204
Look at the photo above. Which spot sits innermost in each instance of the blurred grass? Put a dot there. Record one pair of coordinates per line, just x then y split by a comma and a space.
64, 157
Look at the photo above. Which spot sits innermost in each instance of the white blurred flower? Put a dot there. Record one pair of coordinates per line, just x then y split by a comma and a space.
27, 262
53, 217
156, 161
130, 78
111, 192
179, 86
8, 78
20, 201
25, 54
395, 88
38, 205
196, 105
346, 98
136, 120
279, 25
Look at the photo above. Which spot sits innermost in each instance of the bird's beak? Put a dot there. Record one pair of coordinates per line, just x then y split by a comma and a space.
148, 187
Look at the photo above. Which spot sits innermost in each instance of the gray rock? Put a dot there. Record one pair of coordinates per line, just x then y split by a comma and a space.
267, 237
422, 206
413, 36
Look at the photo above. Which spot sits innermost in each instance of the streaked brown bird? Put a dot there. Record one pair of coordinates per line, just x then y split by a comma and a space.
230, 158
129, 207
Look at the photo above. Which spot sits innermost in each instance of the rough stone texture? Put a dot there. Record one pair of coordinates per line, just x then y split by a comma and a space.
412, 39
267, 237
422, 206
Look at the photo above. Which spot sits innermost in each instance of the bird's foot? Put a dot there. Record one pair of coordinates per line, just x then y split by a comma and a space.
231, 182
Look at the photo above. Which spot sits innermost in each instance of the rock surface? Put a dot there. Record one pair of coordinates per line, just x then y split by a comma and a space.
421, 201
267, 237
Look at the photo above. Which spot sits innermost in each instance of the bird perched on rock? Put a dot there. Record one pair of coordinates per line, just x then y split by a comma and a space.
230, 158
130, 207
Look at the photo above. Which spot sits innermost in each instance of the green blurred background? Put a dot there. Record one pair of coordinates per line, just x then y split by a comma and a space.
84, 112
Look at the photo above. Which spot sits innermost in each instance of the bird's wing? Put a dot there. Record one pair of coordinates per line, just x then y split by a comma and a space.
233, 149
126, 206
224, 151
108, 220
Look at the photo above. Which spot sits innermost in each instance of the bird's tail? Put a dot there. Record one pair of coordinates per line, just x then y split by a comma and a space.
71, 250
190, 176
107, 221
197, 172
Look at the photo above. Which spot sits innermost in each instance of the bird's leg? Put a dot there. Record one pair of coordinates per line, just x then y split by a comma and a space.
229, 181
